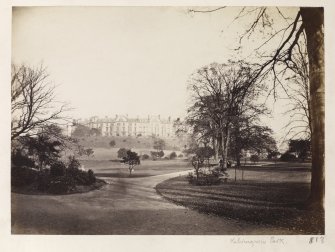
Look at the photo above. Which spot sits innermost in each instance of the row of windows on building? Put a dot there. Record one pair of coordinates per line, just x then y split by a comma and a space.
134, 129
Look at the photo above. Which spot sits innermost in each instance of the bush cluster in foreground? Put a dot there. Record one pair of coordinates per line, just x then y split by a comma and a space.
207, 177
60, 178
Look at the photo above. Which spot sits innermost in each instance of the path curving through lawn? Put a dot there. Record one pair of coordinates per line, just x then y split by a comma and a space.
123, 206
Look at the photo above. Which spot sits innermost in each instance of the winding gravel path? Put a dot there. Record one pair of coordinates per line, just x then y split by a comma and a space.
123, 206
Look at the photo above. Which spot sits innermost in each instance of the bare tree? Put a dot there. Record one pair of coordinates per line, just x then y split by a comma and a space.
33, 101
300, 124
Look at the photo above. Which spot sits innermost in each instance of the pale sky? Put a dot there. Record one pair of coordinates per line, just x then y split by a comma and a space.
125, 60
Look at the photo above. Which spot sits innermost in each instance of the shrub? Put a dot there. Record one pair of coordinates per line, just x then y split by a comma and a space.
173, 155
180, 155
112, 143
21, 176
91, 176
43, 181
57, 169
191, 177
89, 152
157, 154
288, 157
61, 185
73, 163
166, 158
254, 158
145, 157
122, 152
82, 178
206, 177
21, 160
73, 167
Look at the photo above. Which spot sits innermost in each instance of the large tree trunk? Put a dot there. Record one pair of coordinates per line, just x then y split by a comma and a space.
219, 145
313, 21
224, 153
238, 158
216, 154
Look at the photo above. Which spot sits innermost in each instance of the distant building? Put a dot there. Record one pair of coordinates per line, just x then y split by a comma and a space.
122, 125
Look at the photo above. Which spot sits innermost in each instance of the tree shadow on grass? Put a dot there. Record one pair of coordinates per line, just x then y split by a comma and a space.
268, 203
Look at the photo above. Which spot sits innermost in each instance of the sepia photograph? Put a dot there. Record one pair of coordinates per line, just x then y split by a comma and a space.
160, 120
168, 126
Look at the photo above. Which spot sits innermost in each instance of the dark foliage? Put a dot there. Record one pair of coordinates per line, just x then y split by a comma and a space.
302, 147
254, 158
61, 185
43, 181
91, 176
60, 179
73, 163
157, 154
212, 177
112, 143
288, 157
57, 169
159, 144
131, 159
145, 157
22, 160
273, 154
22, 176
122, 152
45, 149
173, 155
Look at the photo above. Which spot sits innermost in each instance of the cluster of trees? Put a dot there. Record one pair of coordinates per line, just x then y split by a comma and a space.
157, 154
224, 114
37, 119
84, 131
38, 145
299, 149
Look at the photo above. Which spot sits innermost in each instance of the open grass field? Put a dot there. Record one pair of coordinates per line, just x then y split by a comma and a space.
105, 163
272, 194
107, 168
111, 153
128, 142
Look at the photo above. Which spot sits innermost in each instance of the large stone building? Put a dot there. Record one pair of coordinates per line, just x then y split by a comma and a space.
125, 126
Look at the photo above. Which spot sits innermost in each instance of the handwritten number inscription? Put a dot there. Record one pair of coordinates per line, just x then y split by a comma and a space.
316, 239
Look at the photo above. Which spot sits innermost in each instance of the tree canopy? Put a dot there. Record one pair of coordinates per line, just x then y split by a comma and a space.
132, 159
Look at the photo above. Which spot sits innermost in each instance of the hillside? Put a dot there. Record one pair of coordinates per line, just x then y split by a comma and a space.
128, 142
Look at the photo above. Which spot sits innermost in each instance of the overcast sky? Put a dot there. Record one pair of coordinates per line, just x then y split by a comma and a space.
125, 60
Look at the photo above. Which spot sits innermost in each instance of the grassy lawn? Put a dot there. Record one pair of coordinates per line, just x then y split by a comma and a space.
111, 153
127, 142
269, 195
107, 168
